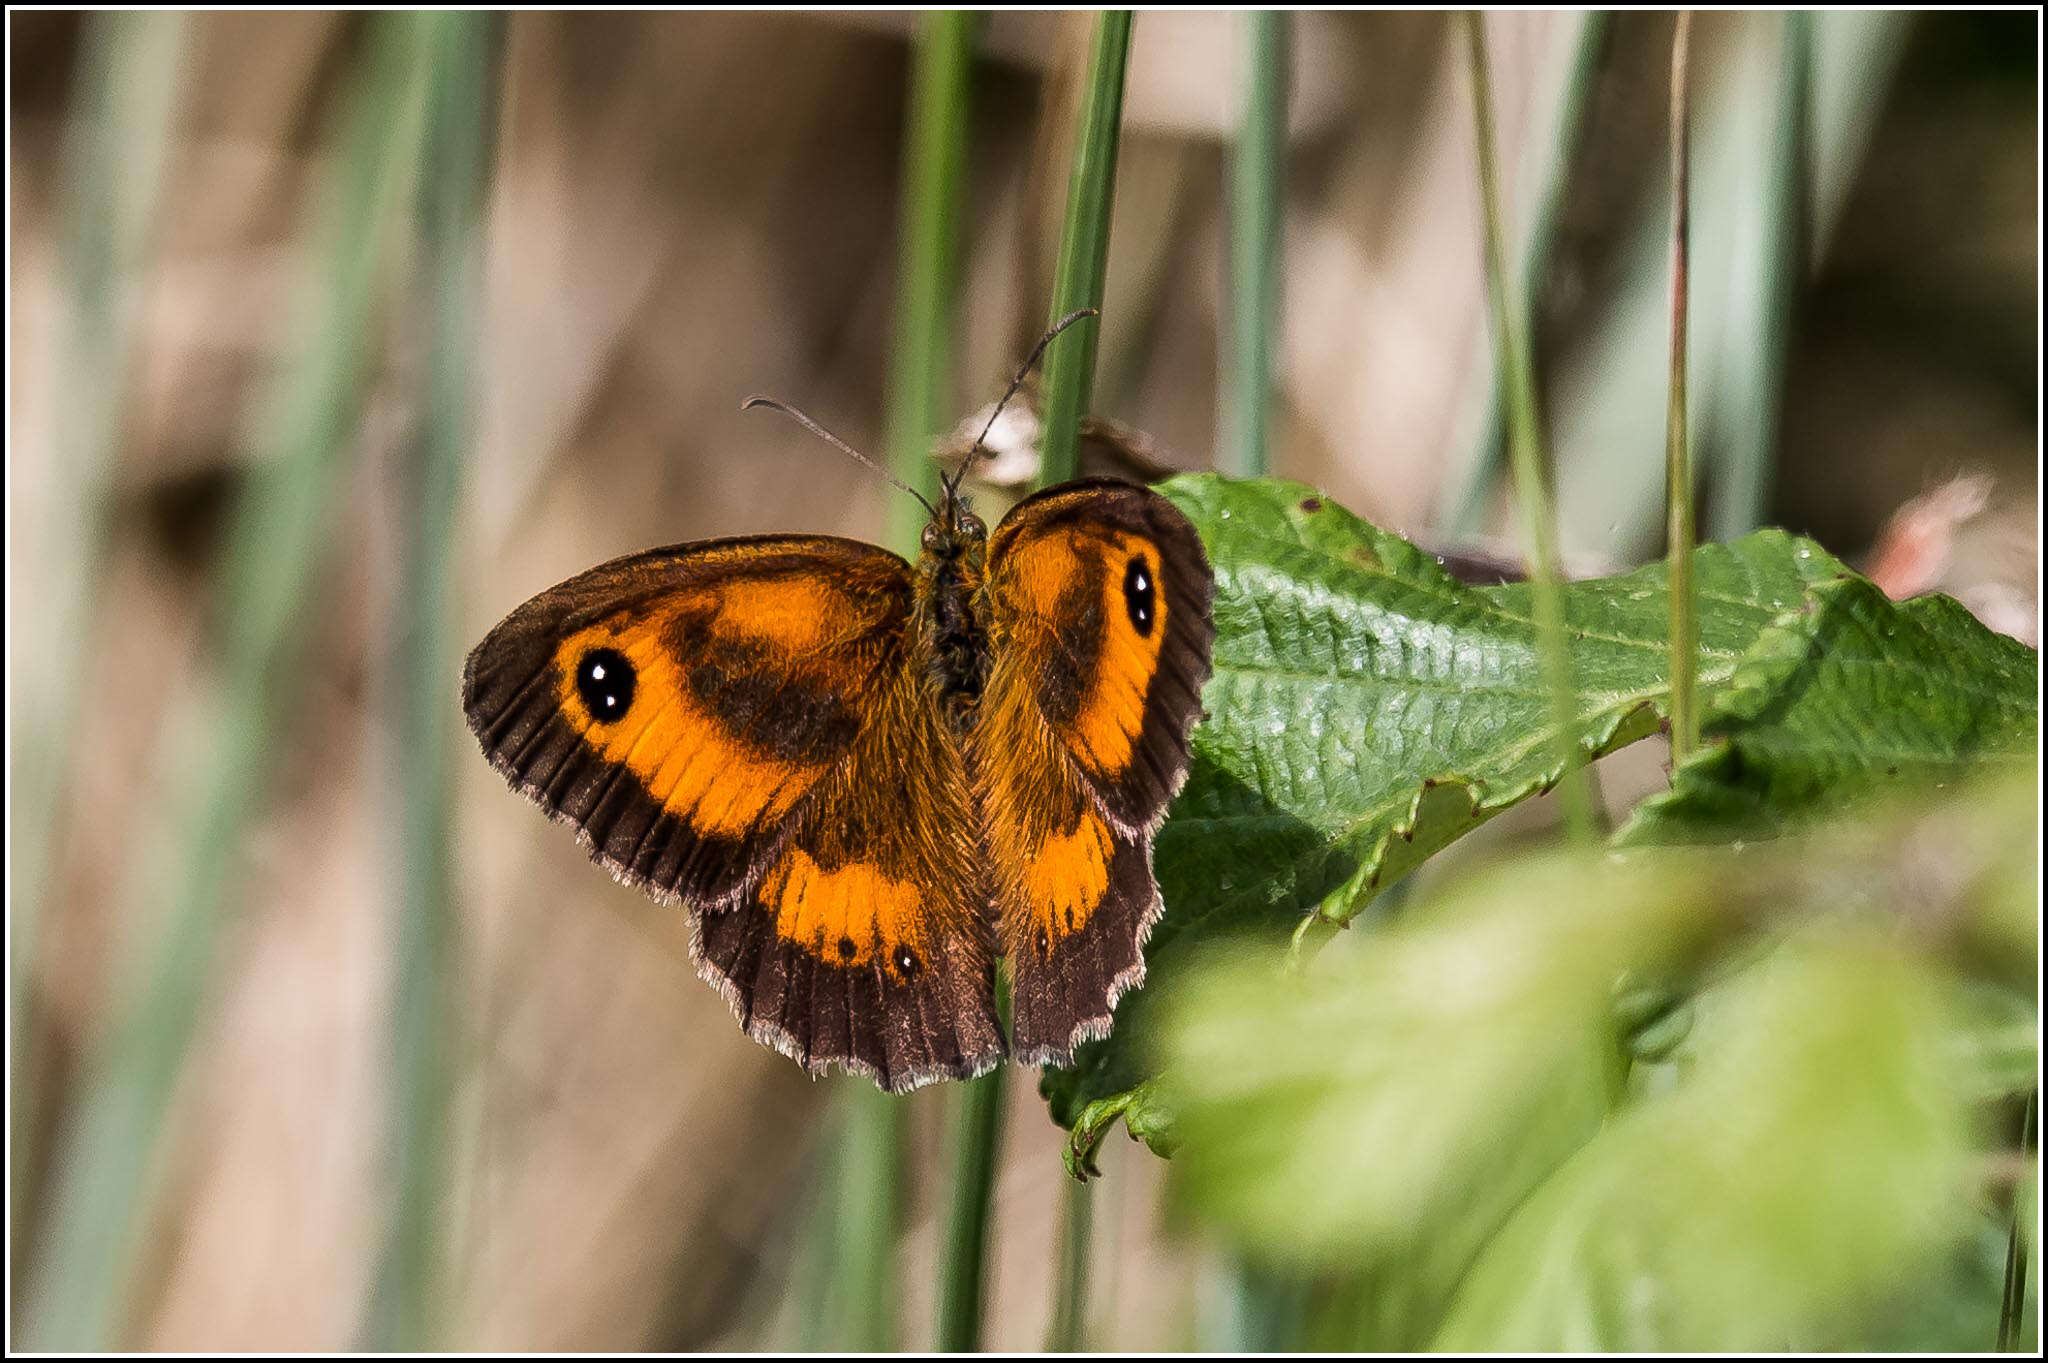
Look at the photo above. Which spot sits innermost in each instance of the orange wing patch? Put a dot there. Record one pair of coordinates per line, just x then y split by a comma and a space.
847, 916
1051, 852
865, 941
787, 614
688, 759
741, 693
1112, 710
681, 707
1065, 876
1042, 568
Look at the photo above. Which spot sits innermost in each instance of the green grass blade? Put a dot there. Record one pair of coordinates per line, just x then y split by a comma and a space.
1748, 396
808, 1289
1607, 409
1678, 489
1244, 392
1463, 507
81, 1282
1258, 163
121, 122
963, 1273
408, 1298
1083, 264
861, 1288
1068, 1333
1525, 447
935, 162
1855, 59
2012, 1305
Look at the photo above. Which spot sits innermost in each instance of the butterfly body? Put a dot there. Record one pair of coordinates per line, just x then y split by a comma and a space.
950, 574
868, 779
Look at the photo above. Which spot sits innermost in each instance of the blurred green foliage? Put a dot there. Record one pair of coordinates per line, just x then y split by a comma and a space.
1810, 1154
1435, 1113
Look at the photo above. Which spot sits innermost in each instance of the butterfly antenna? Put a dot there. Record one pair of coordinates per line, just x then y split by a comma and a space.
758, 400
1023, 372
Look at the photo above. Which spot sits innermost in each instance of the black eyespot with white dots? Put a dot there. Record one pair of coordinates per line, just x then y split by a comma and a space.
1138, 596
906, 962
604, 679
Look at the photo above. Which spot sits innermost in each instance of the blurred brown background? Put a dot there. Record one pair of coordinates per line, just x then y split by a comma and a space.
687, 208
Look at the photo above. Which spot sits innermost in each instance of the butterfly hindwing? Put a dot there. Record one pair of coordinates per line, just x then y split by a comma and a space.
866, 941
745, 725
1097, 600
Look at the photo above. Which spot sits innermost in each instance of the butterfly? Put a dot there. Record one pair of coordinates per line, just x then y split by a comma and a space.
867, 779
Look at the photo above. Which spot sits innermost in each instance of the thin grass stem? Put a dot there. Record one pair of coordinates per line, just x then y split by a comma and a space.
858, 1224
927, 303
2012, 1305
1526, 457
1244, 390
1464, 505
1069, 375
1678, 488
864, 1221
977, 1140
1068, 1333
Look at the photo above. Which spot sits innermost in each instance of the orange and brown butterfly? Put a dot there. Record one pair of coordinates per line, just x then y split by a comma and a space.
867, 779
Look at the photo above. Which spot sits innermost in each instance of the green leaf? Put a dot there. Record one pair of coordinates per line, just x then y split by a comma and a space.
1996, 1046
1367, 709
1847, 695
1142, 1110
1945, 1305
1816, 1152
1389, 1108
